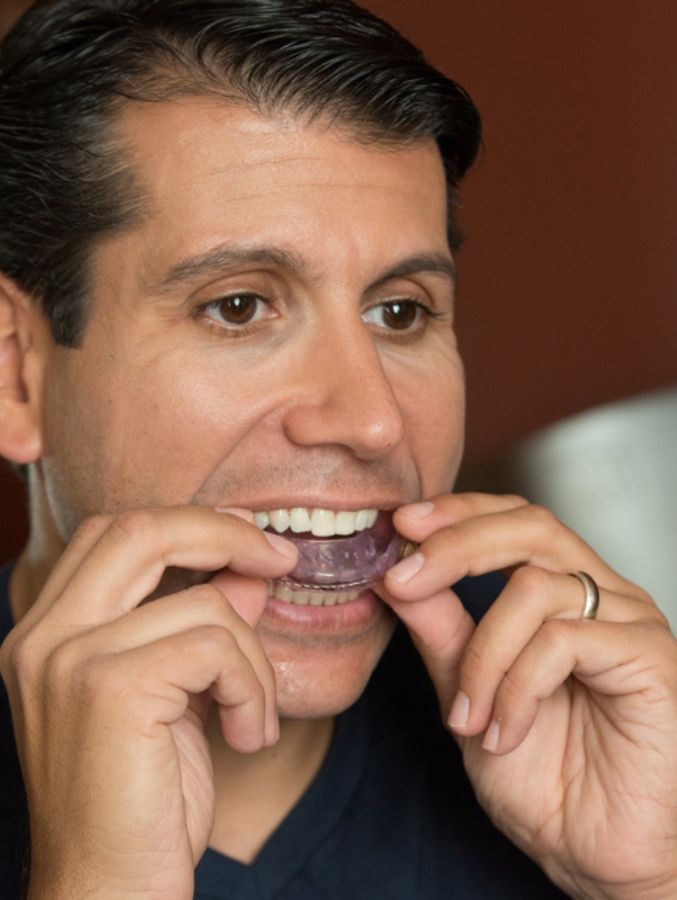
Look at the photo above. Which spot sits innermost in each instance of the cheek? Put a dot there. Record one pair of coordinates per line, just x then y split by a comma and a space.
74, 455
197, 417
134, 433
434, 405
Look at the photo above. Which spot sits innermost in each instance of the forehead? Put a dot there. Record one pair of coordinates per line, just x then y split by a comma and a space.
212, 172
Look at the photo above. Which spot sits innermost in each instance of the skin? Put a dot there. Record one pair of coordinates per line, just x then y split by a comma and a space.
211, 408
166, 414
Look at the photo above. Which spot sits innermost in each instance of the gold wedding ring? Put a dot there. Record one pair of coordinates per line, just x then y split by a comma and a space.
591, 599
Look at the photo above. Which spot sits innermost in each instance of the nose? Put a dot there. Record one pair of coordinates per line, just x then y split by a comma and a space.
345, 397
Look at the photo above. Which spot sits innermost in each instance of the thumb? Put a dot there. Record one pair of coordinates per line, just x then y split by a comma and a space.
247, 596
440, 628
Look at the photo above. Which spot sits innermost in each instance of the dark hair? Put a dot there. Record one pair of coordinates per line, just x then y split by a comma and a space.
68, 66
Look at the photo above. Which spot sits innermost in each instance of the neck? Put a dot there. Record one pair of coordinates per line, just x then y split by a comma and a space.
254, 793
40, 555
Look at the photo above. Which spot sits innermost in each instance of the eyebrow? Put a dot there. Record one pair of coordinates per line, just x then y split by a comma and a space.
428, 263
224, 258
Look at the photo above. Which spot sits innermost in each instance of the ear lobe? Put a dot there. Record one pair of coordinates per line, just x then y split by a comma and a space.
20, 433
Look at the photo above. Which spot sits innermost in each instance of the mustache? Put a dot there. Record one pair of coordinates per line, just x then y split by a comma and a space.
314, 474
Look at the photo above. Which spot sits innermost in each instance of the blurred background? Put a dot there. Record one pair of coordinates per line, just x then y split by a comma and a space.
568, 303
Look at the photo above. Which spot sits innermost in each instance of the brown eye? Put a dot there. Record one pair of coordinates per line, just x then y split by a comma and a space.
400, 315
238, 309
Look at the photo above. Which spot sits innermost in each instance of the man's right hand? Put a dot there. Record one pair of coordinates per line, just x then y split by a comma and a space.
109, 697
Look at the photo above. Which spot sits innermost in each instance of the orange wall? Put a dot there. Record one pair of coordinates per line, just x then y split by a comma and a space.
569, 273
9, 11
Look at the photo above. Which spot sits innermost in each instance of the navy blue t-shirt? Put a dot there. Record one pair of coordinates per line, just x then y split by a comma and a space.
390, 816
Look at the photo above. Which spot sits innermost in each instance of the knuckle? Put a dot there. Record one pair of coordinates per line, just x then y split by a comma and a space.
659, 634
210, 602
658, 618
217, 639
557, 633
530, 581
135, 525
545, 520
90, 528
61, 663
19, 657
652, 609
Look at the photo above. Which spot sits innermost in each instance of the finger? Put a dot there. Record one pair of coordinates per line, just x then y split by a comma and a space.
609, 658
199, 606
440, 628
247, 596
531, 597
127, 562
503, 540
417, 521
157, 681
85, 537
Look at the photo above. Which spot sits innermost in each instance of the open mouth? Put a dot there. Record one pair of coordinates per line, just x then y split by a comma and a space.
340, 553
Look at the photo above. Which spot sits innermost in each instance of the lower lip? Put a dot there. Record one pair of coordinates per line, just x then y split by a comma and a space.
354, 616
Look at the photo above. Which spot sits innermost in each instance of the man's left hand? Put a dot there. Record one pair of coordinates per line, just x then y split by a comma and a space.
568, 726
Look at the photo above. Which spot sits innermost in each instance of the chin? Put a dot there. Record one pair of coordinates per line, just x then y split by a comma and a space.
323, 678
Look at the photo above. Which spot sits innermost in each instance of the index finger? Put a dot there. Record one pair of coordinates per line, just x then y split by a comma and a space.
417, 521
474, 534
126, 561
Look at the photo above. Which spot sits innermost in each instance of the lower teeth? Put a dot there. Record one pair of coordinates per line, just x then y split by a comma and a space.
286, 594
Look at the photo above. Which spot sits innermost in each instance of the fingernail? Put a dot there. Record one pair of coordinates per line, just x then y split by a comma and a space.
490, 741
460, 711
417, 510
238, 511
404, 571
286, 548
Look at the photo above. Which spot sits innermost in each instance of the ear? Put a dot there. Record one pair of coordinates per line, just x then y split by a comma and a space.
22, 344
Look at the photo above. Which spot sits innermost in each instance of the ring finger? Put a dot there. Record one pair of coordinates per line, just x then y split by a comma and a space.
531, 597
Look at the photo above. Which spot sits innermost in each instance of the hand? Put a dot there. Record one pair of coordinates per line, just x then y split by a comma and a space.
568, 727
109, 697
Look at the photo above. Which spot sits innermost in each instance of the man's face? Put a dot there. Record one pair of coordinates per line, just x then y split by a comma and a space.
277, 333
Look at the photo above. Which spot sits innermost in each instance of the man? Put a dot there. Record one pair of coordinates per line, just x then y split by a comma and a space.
228, 364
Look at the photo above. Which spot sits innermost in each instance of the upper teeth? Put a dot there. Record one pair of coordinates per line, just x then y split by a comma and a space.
320, 522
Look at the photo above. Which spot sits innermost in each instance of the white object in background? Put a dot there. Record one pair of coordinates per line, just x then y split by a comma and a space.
611, 475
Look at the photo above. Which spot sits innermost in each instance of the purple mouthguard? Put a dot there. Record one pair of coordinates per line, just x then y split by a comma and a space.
339, 563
